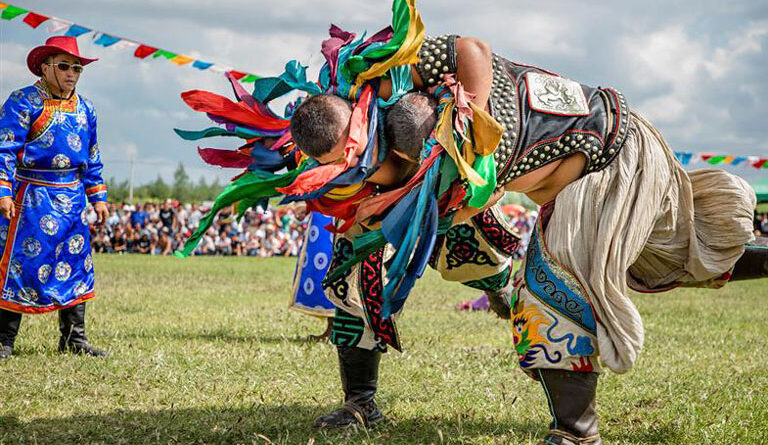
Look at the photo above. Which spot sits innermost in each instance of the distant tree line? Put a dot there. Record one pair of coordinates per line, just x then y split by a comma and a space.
185, 190
182, 189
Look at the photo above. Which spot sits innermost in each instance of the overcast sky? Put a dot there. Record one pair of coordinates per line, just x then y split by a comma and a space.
696, 68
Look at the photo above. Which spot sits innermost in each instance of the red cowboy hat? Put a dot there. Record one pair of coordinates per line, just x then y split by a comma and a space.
54, 45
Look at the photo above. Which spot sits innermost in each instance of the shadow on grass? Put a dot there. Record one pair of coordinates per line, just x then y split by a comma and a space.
220, 336
254, 424
278, 424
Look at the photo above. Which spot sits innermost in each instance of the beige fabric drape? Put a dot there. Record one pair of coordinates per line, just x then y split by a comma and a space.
645, 215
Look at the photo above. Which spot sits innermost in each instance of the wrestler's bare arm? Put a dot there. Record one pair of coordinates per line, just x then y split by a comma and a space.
474, 71
474, 68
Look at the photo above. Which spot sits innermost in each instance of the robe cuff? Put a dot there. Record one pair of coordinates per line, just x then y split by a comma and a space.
97, 193
6, 189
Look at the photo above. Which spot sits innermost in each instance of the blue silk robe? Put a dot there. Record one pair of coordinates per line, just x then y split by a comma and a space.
50, 165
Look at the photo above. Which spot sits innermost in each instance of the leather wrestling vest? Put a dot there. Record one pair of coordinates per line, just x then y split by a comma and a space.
546, 117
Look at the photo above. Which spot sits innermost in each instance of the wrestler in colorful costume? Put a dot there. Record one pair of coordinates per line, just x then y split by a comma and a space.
622, 209
413, 217
618, 212
51, 168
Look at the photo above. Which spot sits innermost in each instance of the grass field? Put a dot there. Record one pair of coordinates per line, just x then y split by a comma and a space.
205, 351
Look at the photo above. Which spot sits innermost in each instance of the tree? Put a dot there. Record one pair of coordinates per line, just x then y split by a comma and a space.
200, 190
214, 189
181, 185
158, 189
117, 191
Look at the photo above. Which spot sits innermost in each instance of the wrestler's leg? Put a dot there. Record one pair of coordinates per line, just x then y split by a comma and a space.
753, 264
571, 398
561, 355
359, 356
357, 296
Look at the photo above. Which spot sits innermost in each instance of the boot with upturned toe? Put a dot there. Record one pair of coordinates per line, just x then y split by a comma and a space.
359, 369
73, 338
752, 264
571, 397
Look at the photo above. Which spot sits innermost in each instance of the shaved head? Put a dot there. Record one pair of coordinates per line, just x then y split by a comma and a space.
410, 121
318, 123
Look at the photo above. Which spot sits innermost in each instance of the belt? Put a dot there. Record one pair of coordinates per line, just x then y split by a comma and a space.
52, 178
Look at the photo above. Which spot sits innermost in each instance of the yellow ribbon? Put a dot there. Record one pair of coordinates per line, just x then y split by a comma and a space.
407, 54
486, 133
342, 193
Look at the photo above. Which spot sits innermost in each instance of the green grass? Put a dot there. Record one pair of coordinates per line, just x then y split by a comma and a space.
205, 351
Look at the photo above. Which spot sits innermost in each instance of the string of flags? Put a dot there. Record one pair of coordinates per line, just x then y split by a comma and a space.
687, 158
140, 50
143, 51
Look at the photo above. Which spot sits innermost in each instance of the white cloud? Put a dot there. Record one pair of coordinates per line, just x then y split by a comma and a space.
750, 41
697, 69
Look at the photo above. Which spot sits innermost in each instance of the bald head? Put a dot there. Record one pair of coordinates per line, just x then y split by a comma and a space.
410, 121
318, 123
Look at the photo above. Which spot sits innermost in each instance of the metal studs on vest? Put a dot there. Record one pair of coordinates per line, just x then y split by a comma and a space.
617, 134
504, 108
437, 55
543, 153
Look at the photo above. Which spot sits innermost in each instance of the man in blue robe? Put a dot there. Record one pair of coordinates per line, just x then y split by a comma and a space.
50, 169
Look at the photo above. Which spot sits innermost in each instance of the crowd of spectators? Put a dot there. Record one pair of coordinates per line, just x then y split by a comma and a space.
161, 229
523, 221
761, 224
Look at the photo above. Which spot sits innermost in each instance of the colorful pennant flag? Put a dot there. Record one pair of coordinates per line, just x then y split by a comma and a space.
77, 31
144, 51
34, 19
11, 12
199, 64
106, 40
687, 158
57, 25
141, 51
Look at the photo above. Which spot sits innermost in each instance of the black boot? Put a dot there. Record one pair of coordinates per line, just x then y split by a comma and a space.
753, 264
499, 303
571, 397
72, 328
9, 327
359, 375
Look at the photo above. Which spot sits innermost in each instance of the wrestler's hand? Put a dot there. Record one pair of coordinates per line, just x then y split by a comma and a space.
464, 214
7, 208
101, 212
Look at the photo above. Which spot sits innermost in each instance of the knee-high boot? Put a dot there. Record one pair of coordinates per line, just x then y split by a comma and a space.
9, 327
571, 397
753, 264
72, 328
359, 370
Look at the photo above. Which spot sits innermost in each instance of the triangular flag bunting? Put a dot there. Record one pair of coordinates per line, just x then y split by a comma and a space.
11, 12
77, 31
57, 25
201, 65
106, 40
143, 51
163, 53
181, 60
34, 19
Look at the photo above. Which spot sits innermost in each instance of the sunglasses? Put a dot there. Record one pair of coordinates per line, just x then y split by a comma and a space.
64, 66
